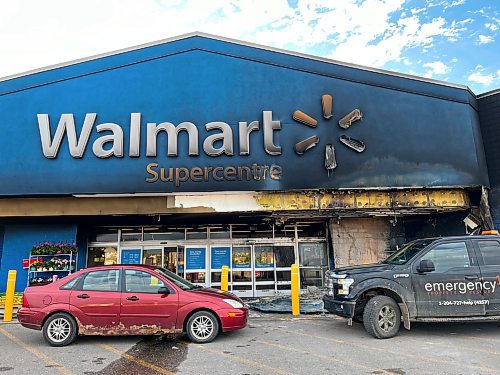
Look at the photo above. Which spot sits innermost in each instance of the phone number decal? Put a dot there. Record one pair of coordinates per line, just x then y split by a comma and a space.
464, 303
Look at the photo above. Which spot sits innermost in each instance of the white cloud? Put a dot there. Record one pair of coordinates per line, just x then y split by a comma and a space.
491, 26
437, 67
35, 33
417, 11
484, 79
388, 43
485, 39
453, 4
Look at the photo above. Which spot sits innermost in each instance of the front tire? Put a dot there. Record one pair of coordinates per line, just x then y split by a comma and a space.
382, 317
60, 329
202, 327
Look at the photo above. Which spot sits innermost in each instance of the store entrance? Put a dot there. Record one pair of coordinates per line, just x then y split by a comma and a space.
261, 269
170, 257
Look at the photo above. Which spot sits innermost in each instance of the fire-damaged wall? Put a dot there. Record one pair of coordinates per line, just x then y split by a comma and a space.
489, 116
369, 240
360, 240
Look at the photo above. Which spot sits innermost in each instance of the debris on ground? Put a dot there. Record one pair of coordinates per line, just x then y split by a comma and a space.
311, 302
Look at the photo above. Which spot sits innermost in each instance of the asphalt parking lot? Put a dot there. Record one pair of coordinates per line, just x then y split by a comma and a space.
271, 344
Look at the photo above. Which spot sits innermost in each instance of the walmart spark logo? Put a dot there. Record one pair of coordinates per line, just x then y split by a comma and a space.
345, 122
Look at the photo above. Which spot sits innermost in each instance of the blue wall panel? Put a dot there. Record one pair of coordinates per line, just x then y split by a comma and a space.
18, 241
1, 245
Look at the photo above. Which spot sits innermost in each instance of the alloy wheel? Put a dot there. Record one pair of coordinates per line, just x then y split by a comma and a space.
386, 318
59, 330
202, 327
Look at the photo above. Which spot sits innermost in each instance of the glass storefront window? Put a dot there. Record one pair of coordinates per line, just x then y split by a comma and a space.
197, 233
164, 234
312, 254
264, 256
283, 275
264, 275
252, 231
311, 277
217, 233
131, 234
180, 260
196, 277
103, 235
101, 255
242, 276
216, 277
285, 256
242, 257
170, 259
152, 257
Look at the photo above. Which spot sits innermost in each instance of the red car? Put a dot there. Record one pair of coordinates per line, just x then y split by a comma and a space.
129, 300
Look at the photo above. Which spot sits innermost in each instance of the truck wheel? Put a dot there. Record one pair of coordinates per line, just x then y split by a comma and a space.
202, 327
382, 317
60, 329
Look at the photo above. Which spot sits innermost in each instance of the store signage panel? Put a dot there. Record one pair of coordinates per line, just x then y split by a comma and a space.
172, 125
220, 256
195, 258
131, 256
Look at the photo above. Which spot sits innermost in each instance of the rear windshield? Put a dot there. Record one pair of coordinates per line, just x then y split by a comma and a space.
408, 251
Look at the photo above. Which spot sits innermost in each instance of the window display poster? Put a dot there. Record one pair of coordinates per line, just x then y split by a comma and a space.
195, 258
264, 256
242, 257
131, 256
220, 257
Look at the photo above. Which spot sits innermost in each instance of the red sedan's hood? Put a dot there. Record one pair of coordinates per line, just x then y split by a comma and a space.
215, 293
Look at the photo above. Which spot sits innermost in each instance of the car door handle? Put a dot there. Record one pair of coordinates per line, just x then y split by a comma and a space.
471, 278
133, 298
83, 296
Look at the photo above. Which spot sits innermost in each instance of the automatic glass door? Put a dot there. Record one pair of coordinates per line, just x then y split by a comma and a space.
242, 271
264, 277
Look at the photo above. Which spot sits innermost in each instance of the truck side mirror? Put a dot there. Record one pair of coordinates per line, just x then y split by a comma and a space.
426, 265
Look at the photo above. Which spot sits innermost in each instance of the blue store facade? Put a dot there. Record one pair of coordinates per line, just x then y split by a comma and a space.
198, 151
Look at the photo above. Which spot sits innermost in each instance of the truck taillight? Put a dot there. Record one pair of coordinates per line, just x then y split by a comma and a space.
25, 301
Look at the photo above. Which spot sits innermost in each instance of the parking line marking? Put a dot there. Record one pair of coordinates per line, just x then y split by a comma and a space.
136, 360
246, 361
324, 357
32, 350
488, 369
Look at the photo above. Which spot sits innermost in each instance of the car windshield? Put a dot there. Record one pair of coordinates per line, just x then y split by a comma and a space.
177, 280
408, 251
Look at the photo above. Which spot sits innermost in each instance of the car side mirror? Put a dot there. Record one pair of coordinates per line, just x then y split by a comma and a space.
163, 290
426, 265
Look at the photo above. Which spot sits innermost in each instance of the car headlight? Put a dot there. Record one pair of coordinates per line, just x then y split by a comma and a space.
345, 283
234, 303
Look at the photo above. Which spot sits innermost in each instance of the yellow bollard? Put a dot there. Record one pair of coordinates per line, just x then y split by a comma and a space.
224, 279
9, 296
295, 290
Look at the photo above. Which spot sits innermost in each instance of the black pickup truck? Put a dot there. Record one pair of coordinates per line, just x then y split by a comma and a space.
446, 279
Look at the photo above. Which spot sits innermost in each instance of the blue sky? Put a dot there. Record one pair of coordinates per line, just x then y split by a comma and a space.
450, 40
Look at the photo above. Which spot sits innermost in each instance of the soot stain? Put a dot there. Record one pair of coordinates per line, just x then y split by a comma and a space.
166, 352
